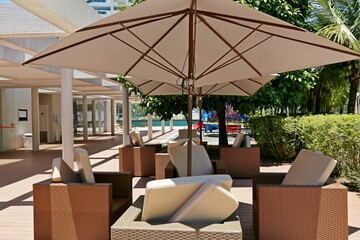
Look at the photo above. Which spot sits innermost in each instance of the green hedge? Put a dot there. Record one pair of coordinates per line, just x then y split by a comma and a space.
338, 136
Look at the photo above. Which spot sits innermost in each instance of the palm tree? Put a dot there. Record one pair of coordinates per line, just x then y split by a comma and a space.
339, 21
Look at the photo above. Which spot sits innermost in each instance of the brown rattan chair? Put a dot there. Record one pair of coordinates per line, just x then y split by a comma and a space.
69, 209
298, 205
298, 212
164, 167
138, 158
242, 160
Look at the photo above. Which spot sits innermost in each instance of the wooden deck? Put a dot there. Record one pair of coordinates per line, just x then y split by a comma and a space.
21, 168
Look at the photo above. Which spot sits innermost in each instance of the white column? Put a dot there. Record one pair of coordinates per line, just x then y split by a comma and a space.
162, 127
85, 117
130, 116
112, 122
93, 117
99, 117
67, 116
35, 119
171, 124
125, 112
107, 116
150, 128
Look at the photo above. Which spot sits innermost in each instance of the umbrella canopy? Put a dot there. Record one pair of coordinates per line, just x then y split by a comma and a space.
200, 42
244, 87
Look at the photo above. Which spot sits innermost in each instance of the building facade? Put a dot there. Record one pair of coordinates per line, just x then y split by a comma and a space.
108, 7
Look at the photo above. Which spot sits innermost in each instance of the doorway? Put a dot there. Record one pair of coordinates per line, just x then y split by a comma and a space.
44, 126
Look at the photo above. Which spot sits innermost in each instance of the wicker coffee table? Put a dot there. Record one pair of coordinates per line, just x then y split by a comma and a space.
129, 226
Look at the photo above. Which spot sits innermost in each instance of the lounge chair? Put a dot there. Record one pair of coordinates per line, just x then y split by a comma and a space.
302, 204
241, 160
138, 158
199, 207
79, 205
174, 163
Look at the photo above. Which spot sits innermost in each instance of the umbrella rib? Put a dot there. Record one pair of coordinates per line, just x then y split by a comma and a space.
160, 16
229, 45
253, 80
242, 40
151, 48
240, 88
157, 64
221, 15
154, 88
142, 84
289, 38
232, 60
209, 91
88, 40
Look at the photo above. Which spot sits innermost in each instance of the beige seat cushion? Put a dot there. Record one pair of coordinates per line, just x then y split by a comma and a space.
201, 164
309, 168
62, 173
82, 161
211, 203
239, 139
136, 139
164, 197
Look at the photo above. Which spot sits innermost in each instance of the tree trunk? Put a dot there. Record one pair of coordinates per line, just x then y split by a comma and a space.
222, 125
354, 85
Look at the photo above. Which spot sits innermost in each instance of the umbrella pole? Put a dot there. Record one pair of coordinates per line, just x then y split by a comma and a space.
189, 150
200, 115
190, 83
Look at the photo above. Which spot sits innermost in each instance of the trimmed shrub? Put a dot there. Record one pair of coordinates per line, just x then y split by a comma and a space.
278, 137
338, 136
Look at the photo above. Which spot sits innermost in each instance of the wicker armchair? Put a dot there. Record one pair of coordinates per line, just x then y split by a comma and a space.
80, 205
287, 211
242, 160
298, 212
78, 210
138, 158
164, 167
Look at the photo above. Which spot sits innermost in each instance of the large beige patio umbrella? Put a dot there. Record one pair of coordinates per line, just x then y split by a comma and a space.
200, 42
243, 87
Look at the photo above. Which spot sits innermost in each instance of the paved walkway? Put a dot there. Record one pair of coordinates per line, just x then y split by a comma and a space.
21, 168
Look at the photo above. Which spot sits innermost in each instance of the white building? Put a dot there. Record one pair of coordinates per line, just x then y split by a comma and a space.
30, 98
108, 7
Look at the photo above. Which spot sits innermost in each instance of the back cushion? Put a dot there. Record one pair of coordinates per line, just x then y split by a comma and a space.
201, 164
238, 140
62, 173
82, 161
246, 142
309, 168
211, 203
137, 139
164, 197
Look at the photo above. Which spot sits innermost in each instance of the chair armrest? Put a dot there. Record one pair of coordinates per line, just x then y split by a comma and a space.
164, 168
266, 178
72, 211
219, 167
121, 182
158, 147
